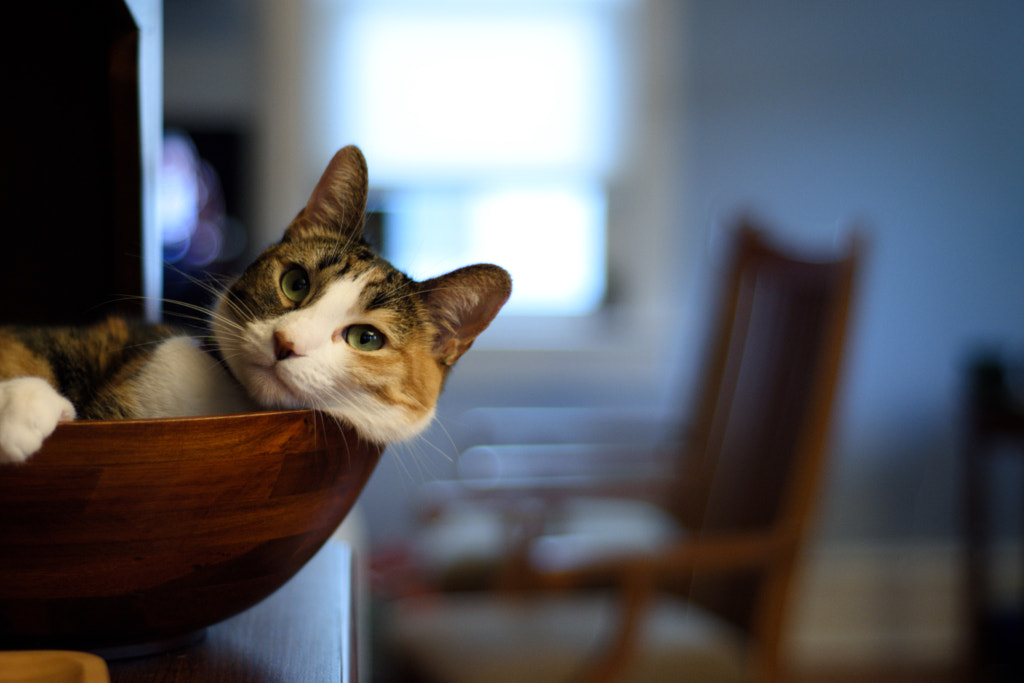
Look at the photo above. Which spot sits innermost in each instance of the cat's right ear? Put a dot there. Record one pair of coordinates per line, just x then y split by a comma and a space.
462, 304
338, 203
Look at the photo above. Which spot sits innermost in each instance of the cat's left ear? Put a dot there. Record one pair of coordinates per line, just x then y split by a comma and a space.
463, 303
338, 203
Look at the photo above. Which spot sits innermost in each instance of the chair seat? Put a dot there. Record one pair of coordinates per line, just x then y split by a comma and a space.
592, 529
473, 637
464, 544
461, 546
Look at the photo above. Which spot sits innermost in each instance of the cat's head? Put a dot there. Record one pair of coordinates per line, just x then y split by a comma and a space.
320, 321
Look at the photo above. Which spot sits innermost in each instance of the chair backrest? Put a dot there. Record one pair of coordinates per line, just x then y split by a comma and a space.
756, 447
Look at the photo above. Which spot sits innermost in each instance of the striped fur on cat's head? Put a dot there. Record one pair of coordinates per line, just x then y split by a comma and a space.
320, 321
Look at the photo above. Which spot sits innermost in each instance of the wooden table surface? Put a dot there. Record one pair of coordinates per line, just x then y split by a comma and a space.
303, 633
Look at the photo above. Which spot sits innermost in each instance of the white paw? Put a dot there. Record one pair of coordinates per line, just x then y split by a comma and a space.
29, 412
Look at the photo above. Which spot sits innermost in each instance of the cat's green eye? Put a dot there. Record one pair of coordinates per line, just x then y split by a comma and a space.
295, 284
364, 338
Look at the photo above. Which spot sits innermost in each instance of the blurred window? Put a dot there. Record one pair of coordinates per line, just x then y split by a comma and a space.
490, 127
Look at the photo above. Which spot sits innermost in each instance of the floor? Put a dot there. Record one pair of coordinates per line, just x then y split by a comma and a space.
1010, 674
817, 676
878, 676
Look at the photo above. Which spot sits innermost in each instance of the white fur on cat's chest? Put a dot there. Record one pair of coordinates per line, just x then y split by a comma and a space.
181, 380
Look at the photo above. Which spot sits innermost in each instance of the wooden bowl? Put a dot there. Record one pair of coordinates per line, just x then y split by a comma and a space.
133, 536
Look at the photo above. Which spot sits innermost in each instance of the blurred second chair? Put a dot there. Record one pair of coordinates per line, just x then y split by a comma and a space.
690, 583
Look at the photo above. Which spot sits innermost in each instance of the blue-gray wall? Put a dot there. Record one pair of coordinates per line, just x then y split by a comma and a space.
905, 114
909, 114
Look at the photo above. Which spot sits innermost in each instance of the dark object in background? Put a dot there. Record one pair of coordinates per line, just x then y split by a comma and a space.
989, 389
70, 169
994, 432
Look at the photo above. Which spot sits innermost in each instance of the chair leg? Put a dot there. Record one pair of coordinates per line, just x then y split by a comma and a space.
515, 573
607, 666
768, 624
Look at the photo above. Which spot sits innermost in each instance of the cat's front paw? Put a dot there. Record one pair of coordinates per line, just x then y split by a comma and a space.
29, 412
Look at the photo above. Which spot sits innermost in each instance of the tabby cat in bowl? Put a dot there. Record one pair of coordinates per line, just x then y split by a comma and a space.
317, 321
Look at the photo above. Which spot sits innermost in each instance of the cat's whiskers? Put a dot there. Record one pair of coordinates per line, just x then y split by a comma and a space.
413, 460
226, 357
342, 425
215, 285
241, 311
141, 345
206, 317
341, 250
401, 464
421, 292
220, 293
436, 421
411, 455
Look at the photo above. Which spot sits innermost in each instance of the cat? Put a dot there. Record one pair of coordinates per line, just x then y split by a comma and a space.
317, 321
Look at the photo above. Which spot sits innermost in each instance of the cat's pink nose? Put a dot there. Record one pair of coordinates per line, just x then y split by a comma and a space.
283, 347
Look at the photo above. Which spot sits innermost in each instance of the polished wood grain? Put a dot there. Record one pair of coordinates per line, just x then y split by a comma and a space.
135, 533
301, 634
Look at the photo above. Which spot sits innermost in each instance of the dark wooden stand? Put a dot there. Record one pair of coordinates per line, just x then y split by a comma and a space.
303, 633
72, 159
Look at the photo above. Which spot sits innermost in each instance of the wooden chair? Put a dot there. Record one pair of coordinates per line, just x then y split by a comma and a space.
742, 499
